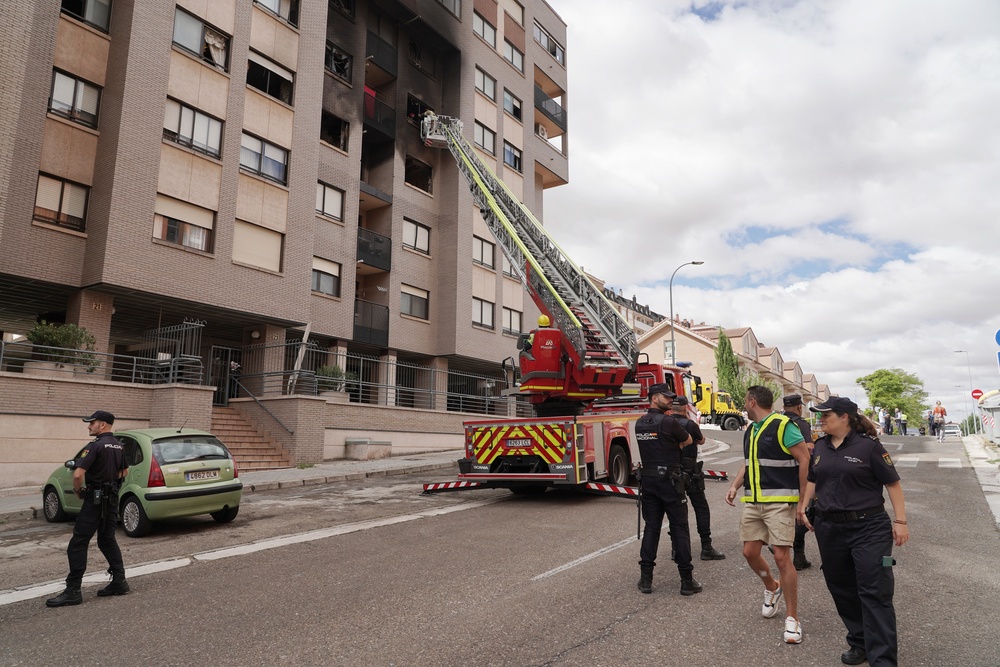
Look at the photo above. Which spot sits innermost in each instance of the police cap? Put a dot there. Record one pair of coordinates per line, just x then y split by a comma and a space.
792, 400
680, 400
661, 388
837, 404
100, 416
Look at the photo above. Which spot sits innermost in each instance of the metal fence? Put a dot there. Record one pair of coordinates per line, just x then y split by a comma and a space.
18, 357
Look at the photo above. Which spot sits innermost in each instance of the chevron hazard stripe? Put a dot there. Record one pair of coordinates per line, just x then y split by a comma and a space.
611, 490
715, 474
547, 441
450, 486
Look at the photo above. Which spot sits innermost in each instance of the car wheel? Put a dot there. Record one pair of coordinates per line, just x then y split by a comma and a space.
619, 468
730, 424
52, 506
226, 515
134, 519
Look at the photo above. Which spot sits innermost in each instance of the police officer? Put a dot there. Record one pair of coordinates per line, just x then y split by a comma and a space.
847, 473
662, 481
101, 465
793, 410
696, 480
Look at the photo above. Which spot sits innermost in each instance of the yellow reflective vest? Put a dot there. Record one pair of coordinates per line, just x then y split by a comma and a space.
772, 474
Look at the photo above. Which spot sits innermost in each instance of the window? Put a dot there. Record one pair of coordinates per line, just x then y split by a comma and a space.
511, 321
259, 157
326, 277
334, 130
183, 224
415, 110
511, 104
483, 252
61, 203
486, 84
257, 246
269, 78
338, 61
513, 56
485, 138
508, 268
74, 99
413, 301
286, 9
345, 7
416, 236
423, 59
418, 174
483, 28
329, 201
511, 156
482, 313
191, 34
95, 12
549, 44
189, 127
514, 8
453, 6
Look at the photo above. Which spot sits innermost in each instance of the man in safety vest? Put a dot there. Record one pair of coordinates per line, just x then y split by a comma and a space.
773, 476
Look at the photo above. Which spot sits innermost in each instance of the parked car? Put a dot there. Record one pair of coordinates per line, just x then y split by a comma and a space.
952, 429
172, 473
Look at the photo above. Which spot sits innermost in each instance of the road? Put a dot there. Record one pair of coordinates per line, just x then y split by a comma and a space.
380, 575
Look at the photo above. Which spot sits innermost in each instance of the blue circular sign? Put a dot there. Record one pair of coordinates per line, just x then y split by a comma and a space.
998, 337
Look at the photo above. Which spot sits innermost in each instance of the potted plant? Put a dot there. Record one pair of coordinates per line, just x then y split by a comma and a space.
63, 345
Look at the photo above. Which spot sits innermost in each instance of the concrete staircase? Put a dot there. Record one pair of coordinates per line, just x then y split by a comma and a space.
251, 450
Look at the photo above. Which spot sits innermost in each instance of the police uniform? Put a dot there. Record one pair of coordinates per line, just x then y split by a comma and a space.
854, 534
662, 492
696, 484
799, 545
103, 459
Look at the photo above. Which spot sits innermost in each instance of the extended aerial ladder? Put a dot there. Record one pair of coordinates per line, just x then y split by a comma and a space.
590, 351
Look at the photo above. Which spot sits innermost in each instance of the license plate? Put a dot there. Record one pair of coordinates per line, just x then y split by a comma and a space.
513, 443
199, 475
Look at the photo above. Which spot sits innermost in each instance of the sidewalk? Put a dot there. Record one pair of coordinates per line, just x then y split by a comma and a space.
26, 502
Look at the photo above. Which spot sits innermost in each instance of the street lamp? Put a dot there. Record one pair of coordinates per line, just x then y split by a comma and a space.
673, 351
968, 365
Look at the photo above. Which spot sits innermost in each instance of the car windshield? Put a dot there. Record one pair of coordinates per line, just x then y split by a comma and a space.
177, 449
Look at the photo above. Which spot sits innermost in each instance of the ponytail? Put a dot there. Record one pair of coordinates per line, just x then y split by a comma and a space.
863, 425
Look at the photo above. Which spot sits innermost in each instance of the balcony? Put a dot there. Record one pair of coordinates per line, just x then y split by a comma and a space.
381, 61
379, 117
371, 323
374, 252
554, 116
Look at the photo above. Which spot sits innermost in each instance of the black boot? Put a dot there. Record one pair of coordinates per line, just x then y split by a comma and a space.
708, 552
118, 585
689, 586
646, 578
799, 560
70, 596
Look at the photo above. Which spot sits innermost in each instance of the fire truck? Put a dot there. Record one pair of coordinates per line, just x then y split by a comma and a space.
580, 369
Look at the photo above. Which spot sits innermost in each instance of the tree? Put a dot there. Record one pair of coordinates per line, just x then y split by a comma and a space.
894, 388
747, 379
728, 369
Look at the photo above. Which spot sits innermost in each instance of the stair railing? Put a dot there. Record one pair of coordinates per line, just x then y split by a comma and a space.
261, 405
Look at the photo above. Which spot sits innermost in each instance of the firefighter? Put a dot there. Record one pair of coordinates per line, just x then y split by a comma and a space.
696, 481
660, 438
793, 410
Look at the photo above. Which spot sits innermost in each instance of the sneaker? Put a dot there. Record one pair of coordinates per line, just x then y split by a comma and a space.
771, 599
793, 631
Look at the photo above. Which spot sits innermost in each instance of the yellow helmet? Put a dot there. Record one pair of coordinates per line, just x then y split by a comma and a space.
543, 321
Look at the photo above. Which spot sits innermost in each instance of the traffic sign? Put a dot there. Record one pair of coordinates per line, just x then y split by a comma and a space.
997, 337
977, 394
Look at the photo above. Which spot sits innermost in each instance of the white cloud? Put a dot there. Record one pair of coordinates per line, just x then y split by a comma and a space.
779, 116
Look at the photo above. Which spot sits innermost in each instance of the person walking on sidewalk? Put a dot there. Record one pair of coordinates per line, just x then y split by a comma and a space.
696, 480
772, 476
939, 415
847, 475
793, 410
102, 466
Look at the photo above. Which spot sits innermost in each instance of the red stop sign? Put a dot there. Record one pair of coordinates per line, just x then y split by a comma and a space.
977, 394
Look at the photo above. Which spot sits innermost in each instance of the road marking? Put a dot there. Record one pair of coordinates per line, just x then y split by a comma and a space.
584, 559
949, 463
907, 462
723, 462
47, 588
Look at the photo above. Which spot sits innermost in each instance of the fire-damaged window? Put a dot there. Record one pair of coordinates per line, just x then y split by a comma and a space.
419, 174
334, 130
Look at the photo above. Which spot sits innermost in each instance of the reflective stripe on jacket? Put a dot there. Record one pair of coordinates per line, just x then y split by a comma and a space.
772, 474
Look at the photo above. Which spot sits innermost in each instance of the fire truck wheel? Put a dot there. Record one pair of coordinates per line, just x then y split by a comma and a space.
730, 424
528, 490
619, 467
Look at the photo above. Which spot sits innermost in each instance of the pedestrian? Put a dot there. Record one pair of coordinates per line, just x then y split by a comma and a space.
102, 466
929, 416
662, 481
793, 410
902, 423
847, 473
696, 480
899, 421
939, 415
772, 477
887, 423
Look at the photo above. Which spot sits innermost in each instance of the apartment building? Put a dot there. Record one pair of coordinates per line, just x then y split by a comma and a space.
254, 167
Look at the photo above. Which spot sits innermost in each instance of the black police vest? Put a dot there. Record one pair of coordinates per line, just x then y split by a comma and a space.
654, 448
110, 459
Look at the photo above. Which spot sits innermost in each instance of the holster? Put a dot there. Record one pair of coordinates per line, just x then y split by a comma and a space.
695, 476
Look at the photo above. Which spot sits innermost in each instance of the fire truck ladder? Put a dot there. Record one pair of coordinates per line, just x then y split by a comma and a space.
597, 333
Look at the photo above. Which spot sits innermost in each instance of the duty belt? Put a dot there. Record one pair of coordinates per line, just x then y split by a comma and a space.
841, 517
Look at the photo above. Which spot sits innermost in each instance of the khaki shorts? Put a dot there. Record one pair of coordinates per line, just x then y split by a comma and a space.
771, 523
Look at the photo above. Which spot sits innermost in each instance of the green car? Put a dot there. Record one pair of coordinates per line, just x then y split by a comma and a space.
172, 473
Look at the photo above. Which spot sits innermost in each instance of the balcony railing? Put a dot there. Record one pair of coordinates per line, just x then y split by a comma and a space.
380, 116
371, 323
381, 53
374, 249
550, 108
54, 362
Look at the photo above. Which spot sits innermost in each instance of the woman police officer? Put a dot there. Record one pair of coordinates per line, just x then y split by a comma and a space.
847, 472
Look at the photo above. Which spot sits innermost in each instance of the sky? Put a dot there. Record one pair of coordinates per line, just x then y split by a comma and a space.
835, 164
